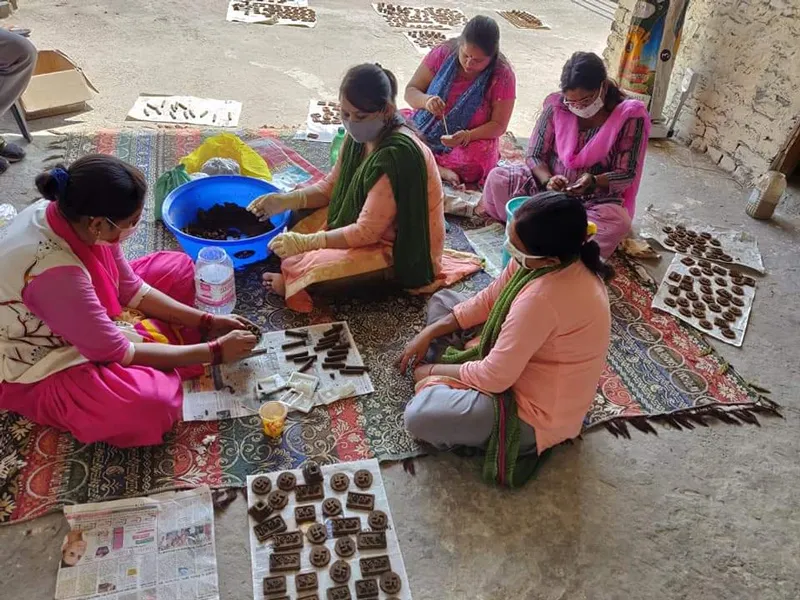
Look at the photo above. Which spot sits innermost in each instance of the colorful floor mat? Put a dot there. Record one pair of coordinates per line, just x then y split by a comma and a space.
657, 369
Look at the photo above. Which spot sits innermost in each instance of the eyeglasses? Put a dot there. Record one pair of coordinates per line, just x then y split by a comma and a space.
131, 226
584, 102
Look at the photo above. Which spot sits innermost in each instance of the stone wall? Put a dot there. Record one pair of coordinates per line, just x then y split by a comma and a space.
746, 105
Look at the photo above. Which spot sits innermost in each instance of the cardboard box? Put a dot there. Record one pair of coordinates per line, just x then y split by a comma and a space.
58, 86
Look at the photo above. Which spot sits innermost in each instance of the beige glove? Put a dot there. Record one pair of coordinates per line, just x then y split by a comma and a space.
291, 244
271, 204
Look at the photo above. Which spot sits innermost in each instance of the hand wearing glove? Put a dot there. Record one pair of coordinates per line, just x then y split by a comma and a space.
291, 244
271, 204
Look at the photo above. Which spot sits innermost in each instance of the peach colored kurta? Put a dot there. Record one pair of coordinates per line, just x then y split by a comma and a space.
551, 349
371, 239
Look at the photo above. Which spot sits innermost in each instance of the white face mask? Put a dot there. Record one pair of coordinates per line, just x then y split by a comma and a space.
587, 112
517, 254
124, 234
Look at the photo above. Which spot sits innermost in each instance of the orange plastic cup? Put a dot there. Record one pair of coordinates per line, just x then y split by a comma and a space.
273, 417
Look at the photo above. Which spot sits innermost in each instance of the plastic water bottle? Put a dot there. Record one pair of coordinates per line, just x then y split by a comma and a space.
7, 214
336, 145
215, 286
768, 191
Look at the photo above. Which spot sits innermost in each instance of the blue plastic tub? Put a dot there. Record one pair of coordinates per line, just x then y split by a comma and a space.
511, 208
181, 205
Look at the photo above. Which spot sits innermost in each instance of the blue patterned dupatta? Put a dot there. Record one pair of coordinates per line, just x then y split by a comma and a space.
459, 116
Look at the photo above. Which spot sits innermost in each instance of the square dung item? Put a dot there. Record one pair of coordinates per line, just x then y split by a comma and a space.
375, 555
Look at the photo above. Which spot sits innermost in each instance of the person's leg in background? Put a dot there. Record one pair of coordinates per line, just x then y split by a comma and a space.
439, 306
445, 417
17, 61
169, 272
503, 184
613, 224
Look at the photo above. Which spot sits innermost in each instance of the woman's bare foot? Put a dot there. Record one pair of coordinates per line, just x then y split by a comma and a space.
449, 176
274, 283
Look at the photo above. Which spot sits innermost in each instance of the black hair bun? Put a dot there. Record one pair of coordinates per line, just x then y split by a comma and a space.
47, 186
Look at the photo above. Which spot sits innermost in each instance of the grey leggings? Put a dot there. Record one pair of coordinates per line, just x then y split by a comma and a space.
445, 417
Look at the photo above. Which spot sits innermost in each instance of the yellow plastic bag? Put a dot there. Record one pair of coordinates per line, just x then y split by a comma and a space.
227, 145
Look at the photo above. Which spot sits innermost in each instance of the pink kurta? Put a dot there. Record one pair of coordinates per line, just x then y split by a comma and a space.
104, 400
551, 350
473, 162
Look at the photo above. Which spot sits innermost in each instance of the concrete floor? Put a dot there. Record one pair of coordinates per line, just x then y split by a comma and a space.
711, 513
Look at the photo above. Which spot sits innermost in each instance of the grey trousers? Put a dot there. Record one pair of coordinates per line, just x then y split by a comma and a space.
446, 417
17, 61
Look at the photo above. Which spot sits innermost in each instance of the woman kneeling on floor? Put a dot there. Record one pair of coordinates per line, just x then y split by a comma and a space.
525, 385
75, 315
382, 205
590, 142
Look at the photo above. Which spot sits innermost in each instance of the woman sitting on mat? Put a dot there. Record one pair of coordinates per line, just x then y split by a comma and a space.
589, 142
74, 314
525, 385
384, 204
466, 88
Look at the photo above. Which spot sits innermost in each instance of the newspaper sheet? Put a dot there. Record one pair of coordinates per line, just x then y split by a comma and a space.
738, 325
272, 12
460, 202
229, 391
488, 244
429, 18
741, 246
186, 109
260, 552
154, 548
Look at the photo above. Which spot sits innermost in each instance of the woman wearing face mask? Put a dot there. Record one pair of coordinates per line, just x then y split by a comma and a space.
78, 322
383, 201
526, 382
590, 142
465, 88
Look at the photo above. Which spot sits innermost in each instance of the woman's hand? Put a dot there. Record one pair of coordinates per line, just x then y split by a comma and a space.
415, 351
236, 345
271, 204
459, 138
557, 183
583, 185
435, 106
222, 324
422, 372
290, 244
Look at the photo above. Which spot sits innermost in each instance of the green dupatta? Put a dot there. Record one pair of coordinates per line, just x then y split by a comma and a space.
503, 464
398, 157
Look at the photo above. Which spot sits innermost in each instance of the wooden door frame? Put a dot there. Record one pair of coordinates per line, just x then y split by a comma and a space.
789, 158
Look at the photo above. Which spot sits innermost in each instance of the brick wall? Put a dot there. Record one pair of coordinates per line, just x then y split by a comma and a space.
747, 101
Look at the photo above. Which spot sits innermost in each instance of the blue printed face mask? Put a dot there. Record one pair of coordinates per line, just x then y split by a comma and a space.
364, 131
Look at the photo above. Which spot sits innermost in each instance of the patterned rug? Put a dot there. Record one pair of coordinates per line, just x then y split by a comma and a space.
657, 369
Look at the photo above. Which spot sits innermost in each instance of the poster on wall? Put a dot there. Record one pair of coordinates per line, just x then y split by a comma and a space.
651, 44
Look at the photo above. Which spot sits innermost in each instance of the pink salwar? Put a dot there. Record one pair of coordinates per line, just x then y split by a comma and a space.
616, 148
472, 162
122, 405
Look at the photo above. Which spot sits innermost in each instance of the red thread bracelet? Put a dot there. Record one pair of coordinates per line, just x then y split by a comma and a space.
216, 352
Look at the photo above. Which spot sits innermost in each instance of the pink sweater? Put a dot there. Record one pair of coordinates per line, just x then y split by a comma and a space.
551, 350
